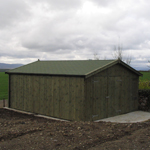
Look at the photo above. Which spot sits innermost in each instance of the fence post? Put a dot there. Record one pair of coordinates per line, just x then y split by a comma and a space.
3, 102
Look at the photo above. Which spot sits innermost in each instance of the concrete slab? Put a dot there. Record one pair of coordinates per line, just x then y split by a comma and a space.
132, 117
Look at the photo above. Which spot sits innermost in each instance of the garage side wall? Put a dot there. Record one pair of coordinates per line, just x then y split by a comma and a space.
56, 96
111, 92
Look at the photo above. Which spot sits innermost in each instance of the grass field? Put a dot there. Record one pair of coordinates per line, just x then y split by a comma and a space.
3, 85
146, 76
143, 84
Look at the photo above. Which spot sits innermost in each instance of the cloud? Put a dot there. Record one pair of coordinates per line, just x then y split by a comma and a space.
12, 11
75, 29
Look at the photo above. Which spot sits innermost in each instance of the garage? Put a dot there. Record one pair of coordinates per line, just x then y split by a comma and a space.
77, 90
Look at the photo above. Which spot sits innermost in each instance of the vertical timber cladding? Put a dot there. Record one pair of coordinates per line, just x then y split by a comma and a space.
15, 91
111, 92
56, 96
96, 96
134, 92
68, 97
12, 92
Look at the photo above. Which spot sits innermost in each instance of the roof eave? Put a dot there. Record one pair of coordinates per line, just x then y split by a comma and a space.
44, 74
10, 71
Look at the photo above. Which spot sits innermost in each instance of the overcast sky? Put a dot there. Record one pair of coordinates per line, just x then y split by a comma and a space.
74, 30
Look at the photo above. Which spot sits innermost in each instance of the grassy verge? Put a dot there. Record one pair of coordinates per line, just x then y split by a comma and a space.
144, 84
3, 85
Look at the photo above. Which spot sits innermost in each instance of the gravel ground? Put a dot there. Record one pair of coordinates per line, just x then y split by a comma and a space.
21, 131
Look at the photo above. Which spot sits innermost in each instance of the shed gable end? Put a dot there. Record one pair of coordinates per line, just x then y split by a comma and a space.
111, 92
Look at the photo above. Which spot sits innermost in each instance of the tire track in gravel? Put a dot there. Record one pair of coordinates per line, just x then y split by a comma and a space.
111, 138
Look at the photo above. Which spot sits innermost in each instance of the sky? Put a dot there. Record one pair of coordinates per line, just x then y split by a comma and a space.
74, 30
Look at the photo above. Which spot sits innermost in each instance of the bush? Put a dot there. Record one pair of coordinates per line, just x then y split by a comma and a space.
144, 84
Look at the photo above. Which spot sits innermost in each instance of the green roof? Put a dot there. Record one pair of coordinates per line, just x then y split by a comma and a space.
65, 67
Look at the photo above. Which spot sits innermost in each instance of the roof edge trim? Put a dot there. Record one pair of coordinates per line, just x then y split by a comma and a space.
101, 68
111, 64
130, 68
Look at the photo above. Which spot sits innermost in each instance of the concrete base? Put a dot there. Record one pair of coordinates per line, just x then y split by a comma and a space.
132, 117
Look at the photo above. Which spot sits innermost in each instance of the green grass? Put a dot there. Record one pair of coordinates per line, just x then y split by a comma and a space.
144, 82
146, 76
3, 85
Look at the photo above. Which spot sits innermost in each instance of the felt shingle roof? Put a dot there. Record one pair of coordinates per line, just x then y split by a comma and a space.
65, 67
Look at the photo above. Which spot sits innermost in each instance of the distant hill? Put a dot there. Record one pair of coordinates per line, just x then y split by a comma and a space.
9, 66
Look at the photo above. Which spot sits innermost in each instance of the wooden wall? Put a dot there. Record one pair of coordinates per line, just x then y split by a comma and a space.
56, 96
111, 92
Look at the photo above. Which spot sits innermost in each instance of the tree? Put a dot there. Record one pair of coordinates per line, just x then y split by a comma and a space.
96, 57
149, 64
118, 54
128, 59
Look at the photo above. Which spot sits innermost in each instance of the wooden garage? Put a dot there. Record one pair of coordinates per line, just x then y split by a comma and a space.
81, 90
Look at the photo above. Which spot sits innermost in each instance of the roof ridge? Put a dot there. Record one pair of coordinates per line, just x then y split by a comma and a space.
77, 60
